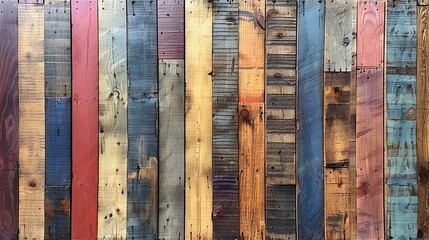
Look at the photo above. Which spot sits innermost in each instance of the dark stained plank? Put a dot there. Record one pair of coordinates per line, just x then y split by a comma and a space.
171, 29
57, 212
142, 202
310, 114
9, 119
84, 119
281, 220
225, 121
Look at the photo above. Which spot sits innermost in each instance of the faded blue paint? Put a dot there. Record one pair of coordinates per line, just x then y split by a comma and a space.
311, 25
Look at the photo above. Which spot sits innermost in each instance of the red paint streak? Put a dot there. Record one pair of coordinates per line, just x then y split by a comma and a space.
369, 153
171, 29
84, 119
370, 30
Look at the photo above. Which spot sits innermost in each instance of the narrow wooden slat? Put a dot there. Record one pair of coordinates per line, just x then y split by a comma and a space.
9, 119
310, 114
84, 119
280, 118
31, 1
225, 121
31, 121
171, 29
251, 63
57, 212
113, 99
171, 149
142, 197
198, 119
400, 175
422, 2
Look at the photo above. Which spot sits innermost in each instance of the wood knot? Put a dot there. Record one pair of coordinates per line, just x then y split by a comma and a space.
244, 113
32, 183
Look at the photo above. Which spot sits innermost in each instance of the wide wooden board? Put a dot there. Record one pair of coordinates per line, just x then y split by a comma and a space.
171, 29
31, 121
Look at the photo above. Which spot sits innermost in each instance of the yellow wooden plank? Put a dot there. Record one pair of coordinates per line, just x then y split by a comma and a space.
31, 121
198, 110
113, 144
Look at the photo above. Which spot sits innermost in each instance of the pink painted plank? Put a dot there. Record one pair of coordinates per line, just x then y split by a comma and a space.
84, 119
170, 29
370, 30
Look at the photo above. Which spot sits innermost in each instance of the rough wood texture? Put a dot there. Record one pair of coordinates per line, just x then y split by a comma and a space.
113, 137
57, 212
171, 149
9, 119
369, 153
225, 120
251, 30
400, 176
310, 114
31, 121
84, 119
198, 122
340, 35
280, 89
31, 1
142, 197
171, 29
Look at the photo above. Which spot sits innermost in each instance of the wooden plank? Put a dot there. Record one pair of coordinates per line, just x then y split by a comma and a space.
400, 176
113, 99
9, 119
84, 119
31, 1
198, 119
422, 2
225, 121
422, 99
57, 212
142, 197
251, 64
171, 149
171, 29
31, 121
280, 90
340, 35
310, 115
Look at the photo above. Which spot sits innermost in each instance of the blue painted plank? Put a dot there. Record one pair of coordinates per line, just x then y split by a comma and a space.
310, 140
57, 212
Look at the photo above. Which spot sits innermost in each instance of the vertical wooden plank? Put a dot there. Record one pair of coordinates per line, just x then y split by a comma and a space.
225, 120
400, 174
142, 197
310, 113
280, 118
57, 212
198, 119
171, 82
9, 119
84, 119
251, 64
32, 121
113, 137
422, 93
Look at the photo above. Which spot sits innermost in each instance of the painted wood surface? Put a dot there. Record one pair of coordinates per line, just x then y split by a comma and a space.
31, 121
31, 1
9, 121
113, 137
251, 64
400, 174
57, 212
171, 149
225, 120
84, 119
280, 92
171, 29
198, 119
310, 115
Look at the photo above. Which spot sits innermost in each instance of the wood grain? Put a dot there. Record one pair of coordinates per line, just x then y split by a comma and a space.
198, 119
310, 120
84, 119
171, 29
57, 212
32, 121
9, 120
113, 137
31, 1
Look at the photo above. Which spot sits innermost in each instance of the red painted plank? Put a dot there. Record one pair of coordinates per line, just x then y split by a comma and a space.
171, 29
84, 119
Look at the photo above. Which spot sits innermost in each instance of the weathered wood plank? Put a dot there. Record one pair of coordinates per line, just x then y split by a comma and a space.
400, 176
84, 119
57, 212
280, 91
171, 149
310, 114
198, 119
251, 64
9, 119
31, 1
142, 197
31, 121
171, 29
113, 102
225, 120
